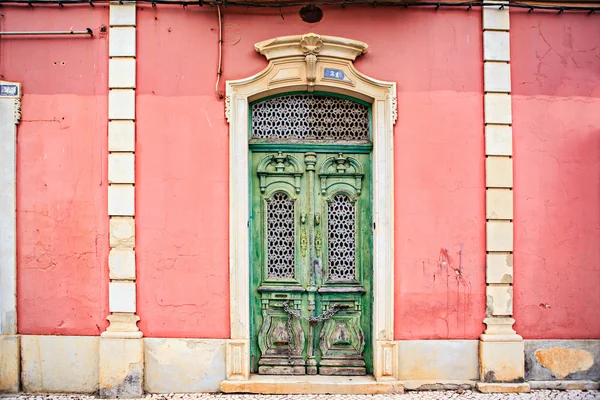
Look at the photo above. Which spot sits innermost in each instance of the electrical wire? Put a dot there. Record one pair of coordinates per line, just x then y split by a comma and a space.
217, 91
549, 5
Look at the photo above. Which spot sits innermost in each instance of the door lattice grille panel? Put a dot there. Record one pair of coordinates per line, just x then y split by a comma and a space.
341, 245
280, 236
310, 117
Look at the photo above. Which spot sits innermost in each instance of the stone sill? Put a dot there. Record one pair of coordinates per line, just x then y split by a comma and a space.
315, 384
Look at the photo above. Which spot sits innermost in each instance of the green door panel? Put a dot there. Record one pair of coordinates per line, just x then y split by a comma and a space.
311, 256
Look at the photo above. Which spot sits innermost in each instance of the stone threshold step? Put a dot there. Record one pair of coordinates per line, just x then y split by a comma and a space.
311, 384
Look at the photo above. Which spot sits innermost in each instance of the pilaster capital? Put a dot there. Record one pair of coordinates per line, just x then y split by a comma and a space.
12, 91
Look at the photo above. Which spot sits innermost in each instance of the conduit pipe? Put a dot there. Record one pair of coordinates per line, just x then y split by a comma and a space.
88, 31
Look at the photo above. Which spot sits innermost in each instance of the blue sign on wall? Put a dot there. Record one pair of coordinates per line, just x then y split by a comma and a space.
9, 90
333, 73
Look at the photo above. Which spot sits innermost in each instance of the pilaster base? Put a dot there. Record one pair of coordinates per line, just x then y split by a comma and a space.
238, 359
121, 367
386, 368
10, 363
122, 326
485, 387
501, 353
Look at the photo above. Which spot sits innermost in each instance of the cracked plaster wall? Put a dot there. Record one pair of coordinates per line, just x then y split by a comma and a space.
555, 67
182, 177
183, 254
182, 160
62, 222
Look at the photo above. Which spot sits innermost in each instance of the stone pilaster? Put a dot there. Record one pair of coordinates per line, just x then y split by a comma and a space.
10, 115
501, 350
121, 347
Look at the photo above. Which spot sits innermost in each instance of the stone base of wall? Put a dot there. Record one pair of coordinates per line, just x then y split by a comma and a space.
448, 360
117, 367
10, 363
184, 365
54, 364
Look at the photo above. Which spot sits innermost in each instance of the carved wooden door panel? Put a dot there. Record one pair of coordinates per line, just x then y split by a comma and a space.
311, 263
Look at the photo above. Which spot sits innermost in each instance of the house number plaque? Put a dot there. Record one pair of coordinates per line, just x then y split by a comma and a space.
333, 73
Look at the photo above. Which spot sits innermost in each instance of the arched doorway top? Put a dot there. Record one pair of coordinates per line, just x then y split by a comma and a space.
312, 62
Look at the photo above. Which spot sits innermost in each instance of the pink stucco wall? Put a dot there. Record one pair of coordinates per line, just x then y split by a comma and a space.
62, 221
182, 166
182, 161
439, 181
182, 178
556, 97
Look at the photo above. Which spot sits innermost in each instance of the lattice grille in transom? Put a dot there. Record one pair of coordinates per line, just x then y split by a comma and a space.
280, 236
310, 117
341, 244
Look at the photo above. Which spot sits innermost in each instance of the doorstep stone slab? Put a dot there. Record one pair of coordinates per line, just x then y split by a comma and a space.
314, 384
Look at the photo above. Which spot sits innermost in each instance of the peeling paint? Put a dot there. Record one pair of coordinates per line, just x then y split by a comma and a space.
562, 362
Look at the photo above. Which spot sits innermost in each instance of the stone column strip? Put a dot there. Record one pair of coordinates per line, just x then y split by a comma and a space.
501, 350
10, 115
121, 171
121, 347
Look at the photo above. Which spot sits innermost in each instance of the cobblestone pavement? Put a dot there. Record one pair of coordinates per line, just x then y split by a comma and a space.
422, 395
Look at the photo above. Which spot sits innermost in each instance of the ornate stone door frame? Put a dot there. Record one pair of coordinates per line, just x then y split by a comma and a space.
307, 63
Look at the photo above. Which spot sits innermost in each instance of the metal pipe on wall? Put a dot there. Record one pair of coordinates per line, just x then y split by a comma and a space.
88, 31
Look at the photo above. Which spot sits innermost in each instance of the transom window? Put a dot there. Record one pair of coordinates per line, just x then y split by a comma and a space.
310, 116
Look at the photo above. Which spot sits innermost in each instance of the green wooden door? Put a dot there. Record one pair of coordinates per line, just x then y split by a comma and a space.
311, 261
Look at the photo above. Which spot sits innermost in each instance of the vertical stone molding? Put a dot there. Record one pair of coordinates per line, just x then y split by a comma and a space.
10, 115
121, 347
501, 349
10, 358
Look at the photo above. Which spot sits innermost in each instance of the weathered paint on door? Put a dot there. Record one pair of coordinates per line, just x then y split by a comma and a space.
311, 252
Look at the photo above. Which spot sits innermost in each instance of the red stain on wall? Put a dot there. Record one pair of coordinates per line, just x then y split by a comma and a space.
62, 222
556, 97
182, 160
